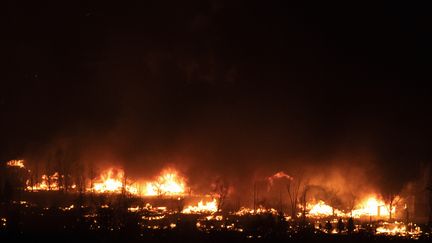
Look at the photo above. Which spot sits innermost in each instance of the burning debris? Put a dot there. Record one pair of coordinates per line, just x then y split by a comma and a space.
16, 163
47, 183
202, 207
370, 206
169, 183
399, 229
260, 210
321, 209
168, 192
112, 181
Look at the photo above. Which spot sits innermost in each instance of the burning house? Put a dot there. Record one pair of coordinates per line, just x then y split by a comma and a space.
170, 190
166, 202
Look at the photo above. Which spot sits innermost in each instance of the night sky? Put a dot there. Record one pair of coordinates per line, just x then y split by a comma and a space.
219, 86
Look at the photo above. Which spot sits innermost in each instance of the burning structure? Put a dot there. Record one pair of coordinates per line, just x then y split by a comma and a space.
157, 203
304, 199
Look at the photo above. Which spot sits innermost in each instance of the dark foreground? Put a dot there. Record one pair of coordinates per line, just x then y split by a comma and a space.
22, 222
178, 236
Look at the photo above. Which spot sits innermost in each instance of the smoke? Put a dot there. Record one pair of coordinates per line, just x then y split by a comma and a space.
278, 175
212, 97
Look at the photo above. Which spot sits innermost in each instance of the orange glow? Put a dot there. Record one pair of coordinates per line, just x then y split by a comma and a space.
207, 207
168, 183
48, 183
391, 229
111, 181
16, 163
259, 210
399, 228
322, 209
371, 206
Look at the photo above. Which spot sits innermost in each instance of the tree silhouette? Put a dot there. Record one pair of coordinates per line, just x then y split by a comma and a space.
350, 225
352, 200
333, 199
429, 189
391, 201
220, 189
340, 226
293, 187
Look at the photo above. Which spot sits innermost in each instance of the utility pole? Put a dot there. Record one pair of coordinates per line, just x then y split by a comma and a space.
406, 214
254, 197
429, 188
304, 204
280, 201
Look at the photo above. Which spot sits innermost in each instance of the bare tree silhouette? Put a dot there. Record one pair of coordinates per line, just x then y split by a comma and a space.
391, 200
293, 187
429, 189
220, 190
333, 199
352, 200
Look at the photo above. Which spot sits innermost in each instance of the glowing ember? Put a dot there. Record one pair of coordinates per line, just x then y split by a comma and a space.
134, 209
208, 207
259, 210
169, 183
214, 217
399, 228
391, 229
16, 163
244, 211
68, 208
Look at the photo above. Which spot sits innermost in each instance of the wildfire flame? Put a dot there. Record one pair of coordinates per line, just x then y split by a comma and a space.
207, 207
322, 209
112, 181
169, 183
370, 206
16, 163
399, 228
47, 183
259, 210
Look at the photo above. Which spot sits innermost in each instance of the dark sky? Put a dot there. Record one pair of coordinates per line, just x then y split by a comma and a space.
219, 85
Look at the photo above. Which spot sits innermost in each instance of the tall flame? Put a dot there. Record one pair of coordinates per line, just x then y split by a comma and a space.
207, 207
47, 183
168, 183
369, 206
112, 181
320, 209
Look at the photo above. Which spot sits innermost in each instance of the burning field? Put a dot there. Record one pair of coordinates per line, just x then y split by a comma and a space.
280, 206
